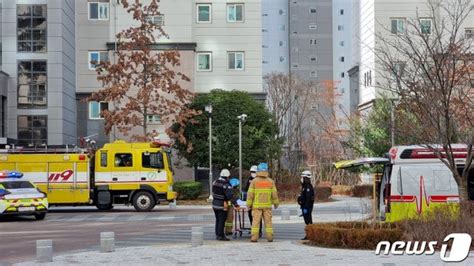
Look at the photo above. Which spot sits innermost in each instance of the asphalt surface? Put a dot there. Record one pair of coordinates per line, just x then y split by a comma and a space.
76, 229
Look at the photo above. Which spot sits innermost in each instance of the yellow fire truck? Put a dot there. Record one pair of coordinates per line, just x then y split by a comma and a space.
119, 173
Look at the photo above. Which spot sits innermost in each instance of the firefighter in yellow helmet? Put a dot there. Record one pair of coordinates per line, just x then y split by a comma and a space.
261, 196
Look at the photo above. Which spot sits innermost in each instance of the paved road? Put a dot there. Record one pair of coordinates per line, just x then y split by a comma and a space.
78, 229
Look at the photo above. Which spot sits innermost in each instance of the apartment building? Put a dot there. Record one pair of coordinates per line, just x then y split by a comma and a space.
37, 81
342, 52
310, 39
275, 42
219, 41
386, 18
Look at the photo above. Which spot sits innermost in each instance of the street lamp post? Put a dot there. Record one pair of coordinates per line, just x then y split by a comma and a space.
241, 118
208, 108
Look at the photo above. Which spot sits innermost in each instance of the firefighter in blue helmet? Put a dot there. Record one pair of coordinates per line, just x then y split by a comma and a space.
222, 193
229, 222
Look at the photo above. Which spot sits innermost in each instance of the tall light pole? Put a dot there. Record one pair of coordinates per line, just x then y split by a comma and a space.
241, 118
208, 108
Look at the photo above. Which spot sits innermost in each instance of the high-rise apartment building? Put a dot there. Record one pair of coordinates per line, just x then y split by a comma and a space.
385, 18
275, 42
219, 42
38, 72
48, 46
310, 38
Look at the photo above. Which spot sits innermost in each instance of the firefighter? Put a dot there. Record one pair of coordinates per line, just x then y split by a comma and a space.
261, 196
306, 198
234, 183
222, 194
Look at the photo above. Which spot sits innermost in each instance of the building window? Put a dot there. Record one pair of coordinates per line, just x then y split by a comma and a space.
32, 130
313, 58
342, 74
204, 61
31, 28
235, 60
312, 41
281, 43
425, 25
312, 10
264, 62
264, 15
96, 57
340, 27
96, 108
98, 11
153, 119
264, 30
204, 13
341, 58
313, 74
32, 89
341, 43
282, 28
397, 25
282, 59
295, 65
313, 26
469, 33
157, 20
281, 12
341, 11
235, 12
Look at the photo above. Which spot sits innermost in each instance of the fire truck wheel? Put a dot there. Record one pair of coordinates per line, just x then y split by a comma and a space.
143, 201
40, 216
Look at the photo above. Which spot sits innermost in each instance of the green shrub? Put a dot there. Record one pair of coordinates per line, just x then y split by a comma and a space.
323, 193
188, 189
357, 235
362, 191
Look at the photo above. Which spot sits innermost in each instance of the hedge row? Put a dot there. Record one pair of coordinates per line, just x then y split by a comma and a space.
356, 235
188, 189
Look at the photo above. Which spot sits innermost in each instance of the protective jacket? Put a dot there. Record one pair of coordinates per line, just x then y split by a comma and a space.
222, 192
262, 192
306, 198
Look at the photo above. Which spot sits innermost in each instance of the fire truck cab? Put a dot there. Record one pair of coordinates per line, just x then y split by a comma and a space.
119, 173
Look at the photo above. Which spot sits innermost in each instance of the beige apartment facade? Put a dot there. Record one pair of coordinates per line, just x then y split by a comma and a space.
219, 44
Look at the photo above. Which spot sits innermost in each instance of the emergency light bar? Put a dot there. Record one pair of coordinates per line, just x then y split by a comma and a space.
10, 174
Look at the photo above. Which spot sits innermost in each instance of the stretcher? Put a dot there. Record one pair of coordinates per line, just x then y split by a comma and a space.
239, 222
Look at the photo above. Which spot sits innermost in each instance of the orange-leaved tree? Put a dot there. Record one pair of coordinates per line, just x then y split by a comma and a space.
141, 81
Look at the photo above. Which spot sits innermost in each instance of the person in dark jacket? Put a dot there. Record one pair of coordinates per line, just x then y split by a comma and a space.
306, 198
222, 193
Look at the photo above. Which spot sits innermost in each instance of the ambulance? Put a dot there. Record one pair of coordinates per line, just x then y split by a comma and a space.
119, 173
414, 181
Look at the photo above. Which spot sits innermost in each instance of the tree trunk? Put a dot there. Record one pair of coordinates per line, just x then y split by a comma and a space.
462, 189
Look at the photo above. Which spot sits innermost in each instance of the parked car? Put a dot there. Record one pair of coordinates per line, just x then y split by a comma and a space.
21, 197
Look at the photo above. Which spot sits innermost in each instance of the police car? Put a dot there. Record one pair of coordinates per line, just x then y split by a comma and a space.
21, 197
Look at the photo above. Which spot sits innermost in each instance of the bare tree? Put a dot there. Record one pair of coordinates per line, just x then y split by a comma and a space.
323, 141
141, 81
429, 68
